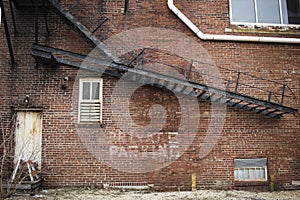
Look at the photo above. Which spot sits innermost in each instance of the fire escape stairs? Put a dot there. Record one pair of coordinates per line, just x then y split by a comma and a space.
114, 67
57, 57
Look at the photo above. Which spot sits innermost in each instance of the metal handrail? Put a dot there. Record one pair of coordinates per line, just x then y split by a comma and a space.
275, 96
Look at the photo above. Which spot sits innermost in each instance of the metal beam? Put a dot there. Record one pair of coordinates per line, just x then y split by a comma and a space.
41, 54
84, 31
11, 53
100, 24
44, 57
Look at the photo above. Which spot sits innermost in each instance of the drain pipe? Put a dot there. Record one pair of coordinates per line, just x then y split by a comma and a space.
204, 36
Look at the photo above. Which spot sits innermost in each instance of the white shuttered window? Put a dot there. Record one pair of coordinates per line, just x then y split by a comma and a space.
90, 100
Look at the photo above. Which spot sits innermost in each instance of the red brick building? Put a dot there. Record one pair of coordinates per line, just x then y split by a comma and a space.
150, 93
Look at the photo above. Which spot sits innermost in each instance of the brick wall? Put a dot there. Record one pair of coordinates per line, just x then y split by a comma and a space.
68, 162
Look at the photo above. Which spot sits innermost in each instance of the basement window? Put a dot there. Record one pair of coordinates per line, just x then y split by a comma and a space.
250, 169
90, 100
265, 12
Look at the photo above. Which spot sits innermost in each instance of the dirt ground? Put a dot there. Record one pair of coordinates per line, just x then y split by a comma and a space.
85, 194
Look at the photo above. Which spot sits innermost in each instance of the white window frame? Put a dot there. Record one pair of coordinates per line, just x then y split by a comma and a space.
246, 169
81, 100
256, 18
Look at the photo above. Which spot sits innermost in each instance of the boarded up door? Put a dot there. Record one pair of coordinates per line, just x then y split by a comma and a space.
28, 137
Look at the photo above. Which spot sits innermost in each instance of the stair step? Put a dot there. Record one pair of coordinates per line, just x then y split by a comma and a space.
187, 90
143, 79
131, 76
271, 112
220, 99
178, 88
193, 93
233, 102
204, 96
170, 85
154, 80
245, 105
162, 82
263, 110
210, 97
201, 94
252, 108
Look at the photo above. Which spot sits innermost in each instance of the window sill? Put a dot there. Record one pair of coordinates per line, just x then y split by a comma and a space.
251, 183
257, 29
89, 125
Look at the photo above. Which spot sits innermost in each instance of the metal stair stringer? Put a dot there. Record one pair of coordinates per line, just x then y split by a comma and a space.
53, 56
207, 93
84, 31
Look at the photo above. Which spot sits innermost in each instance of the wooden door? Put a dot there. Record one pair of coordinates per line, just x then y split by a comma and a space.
28, 137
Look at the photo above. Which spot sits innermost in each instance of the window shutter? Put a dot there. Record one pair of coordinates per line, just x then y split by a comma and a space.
90, 111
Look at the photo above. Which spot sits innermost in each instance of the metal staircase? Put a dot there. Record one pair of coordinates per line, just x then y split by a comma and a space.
90, 36
56, 57
237, 94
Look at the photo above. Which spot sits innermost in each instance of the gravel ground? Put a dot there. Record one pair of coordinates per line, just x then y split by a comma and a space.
81, 194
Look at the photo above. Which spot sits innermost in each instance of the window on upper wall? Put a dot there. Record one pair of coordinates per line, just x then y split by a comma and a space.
269, 12
250, 169
90, 100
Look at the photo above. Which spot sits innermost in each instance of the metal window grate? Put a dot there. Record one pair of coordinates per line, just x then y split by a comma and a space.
250, 169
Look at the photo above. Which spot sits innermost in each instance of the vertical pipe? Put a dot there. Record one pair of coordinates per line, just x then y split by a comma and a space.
36, 22
13, 18
282, 95
270, 96
256, 13
237, 82
12, 58
126, 9
228, 85
189, 74
46, 19
280, 12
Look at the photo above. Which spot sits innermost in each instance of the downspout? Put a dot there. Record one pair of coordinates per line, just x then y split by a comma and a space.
204, 36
